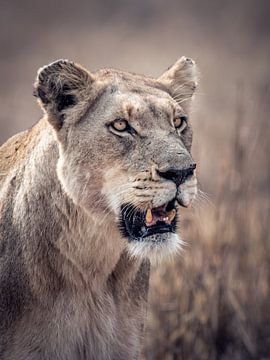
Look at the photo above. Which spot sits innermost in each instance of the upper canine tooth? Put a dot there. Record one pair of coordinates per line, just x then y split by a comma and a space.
149, 216
171, 214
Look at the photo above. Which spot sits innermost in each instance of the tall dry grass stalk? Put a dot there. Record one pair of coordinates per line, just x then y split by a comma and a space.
213, 302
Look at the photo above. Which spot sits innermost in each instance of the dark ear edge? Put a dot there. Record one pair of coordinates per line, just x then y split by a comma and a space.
59, 86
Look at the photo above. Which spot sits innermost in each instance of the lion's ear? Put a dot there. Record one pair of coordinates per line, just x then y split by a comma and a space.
59, 87
181, 80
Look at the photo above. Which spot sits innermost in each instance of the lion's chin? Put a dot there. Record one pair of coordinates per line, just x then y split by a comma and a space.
157, 248
151, 233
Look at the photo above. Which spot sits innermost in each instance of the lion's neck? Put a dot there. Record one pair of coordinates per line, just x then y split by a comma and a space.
91, 247
76, 247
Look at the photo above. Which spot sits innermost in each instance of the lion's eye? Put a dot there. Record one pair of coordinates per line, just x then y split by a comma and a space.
180, 122
120, 125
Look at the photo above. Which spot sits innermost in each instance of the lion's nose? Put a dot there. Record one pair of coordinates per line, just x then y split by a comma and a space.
178, 176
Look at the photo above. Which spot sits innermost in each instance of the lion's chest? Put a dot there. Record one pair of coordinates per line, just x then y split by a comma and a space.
79, 327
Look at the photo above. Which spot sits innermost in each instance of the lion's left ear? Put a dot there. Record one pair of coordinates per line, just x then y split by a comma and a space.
181, 80
60, 87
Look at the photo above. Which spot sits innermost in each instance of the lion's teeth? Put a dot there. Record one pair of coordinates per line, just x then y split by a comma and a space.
149, 216
171, 215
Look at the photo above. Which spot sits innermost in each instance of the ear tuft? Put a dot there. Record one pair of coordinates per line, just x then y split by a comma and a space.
181, 79
61, 85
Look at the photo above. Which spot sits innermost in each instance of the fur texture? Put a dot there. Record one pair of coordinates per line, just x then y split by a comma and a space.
71, 287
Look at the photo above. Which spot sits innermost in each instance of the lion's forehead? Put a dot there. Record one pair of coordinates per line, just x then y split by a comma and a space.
122, 81
143, 108
134, 105
133, 96
128, 78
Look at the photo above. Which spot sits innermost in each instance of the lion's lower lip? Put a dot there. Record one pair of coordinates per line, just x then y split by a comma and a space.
159, 228
134, 224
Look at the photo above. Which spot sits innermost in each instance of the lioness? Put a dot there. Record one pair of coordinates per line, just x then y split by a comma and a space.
87, 196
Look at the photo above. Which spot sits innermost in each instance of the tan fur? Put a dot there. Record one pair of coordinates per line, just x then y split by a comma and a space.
71, 285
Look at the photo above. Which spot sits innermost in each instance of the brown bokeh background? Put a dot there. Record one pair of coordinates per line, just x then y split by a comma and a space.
213, 302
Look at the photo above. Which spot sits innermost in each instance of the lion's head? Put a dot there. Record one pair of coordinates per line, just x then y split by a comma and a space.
125, 143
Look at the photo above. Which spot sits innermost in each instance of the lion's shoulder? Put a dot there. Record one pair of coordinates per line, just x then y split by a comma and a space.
15, 150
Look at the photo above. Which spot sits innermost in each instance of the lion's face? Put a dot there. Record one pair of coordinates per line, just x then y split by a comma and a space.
125, 144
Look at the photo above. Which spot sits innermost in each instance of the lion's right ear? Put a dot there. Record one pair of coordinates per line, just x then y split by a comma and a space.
60, 86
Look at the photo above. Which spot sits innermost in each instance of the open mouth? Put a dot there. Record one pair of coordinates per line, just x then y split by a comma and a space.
138, 225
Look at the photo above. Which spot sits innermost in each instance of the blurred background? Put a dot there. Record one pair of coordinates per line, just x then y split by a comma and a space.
213, 301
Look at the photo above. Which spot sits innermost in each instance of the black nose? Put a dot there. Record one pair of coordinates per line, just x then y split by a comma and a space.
178, 176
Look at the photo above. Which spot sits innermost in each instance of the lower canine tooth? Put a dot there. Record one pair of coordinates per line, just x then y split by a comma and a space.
149, 216
171, 214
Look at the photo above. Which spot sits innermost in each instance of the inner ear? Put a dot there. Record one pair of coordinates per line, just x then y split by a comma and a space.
64, 101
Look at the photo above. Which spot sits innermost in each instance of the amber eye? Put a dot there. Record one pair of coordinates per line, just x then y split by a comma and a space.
120, 125
180, 122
